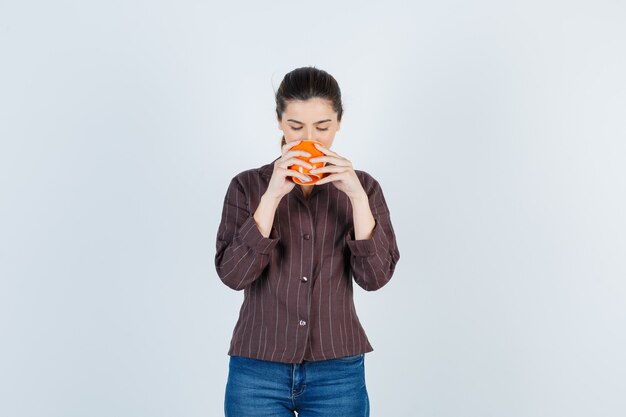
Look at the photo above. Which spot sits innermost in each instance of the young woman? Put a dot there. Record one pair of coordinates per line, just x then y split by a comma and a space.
298, 344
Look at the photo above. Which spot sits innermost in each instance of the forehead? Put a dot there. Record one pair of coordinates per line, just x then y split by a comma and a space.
310, 109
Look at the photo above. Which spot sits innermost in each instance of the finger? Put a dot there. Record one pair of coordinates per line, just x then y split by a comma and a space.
292, 173
329, 168
303, 177
325, 149
330, 178
331, 159
285, 172
290, 145
296, 152
286, 163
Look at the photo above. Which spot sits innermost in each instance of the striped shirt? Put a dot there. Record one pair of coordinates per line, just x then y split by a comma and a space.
298, 294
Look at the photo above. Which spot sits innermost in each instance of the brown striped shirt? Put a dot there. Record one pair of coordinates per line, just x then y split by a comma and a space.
297, 282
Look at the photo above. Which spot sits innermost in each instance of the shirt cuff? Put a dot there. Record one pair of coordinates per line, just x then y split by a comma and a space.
363, 247
250, 234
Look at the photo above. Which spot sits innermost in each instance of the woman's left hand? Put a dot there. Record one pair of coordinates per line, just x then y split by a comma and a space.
341, 173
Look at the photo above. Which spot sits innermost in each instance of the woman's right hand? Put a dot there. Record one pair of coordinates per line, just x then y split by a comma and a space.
281, 183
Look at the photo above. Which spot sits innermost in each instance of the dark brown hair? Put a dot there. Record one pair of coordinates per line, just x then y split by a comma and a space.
305, 83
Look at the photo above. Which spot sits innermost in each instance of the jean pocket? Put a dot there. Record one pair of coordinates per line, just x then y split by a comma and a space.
352, 358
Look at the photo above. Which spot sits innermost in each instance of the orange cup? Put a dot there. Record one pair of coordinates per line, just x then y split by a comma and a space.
308, 146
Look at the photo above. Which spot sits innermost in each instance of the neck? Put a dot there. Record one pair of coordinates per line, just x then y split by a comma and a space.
306, 189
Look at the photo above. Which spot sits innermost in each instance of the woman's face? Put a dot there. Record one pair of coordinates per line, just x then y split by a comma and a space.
312, 119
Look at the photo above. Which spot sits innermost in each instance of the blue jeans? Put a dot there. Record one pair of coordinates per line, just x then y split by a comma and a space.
330, 388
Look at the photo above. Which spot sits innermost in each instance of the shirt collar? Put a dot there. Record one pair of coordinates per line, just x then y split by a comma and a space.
267, 169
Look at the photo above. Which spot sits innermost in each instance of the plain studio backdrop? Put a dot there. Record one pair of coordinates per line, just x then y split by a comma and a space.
497, 132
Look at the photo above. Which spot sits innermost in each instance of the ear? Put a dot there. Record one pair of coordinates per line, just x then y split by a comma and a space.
338, 125
280, 127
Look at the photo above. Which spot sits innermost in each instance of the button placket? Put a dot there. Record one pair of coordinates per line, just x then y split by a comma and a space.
307, 268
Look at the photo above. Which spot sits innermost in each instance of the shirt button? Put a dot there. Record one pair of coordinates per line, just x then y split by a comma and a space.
302, 323
307, 237
304, 279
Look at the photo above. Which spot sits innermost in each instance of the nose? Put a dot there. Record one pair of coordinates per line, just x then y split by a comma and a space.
310, 133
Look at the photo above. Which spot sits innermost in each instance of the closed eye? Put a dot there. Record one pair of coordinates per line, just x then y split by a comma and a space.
298, 128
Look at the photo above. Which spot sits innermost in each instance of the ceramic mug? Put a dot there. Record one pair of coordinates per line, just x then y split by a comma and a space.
308, 146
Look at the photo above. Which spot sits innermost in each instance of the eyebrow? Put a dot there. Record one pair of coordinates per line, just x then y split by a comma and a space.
321, 121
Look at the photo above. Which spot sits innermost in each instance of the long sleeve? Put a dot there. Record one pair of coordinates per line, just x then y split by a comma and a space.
242, 252
373, 260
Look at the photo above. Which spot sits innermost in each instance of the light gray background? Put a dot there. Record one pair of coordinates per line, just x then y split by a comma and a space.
496, 129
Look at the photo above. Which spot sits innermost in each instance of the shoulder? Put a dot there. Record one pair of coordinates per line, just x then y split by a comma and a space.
369, 183
252, 177
374, 192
